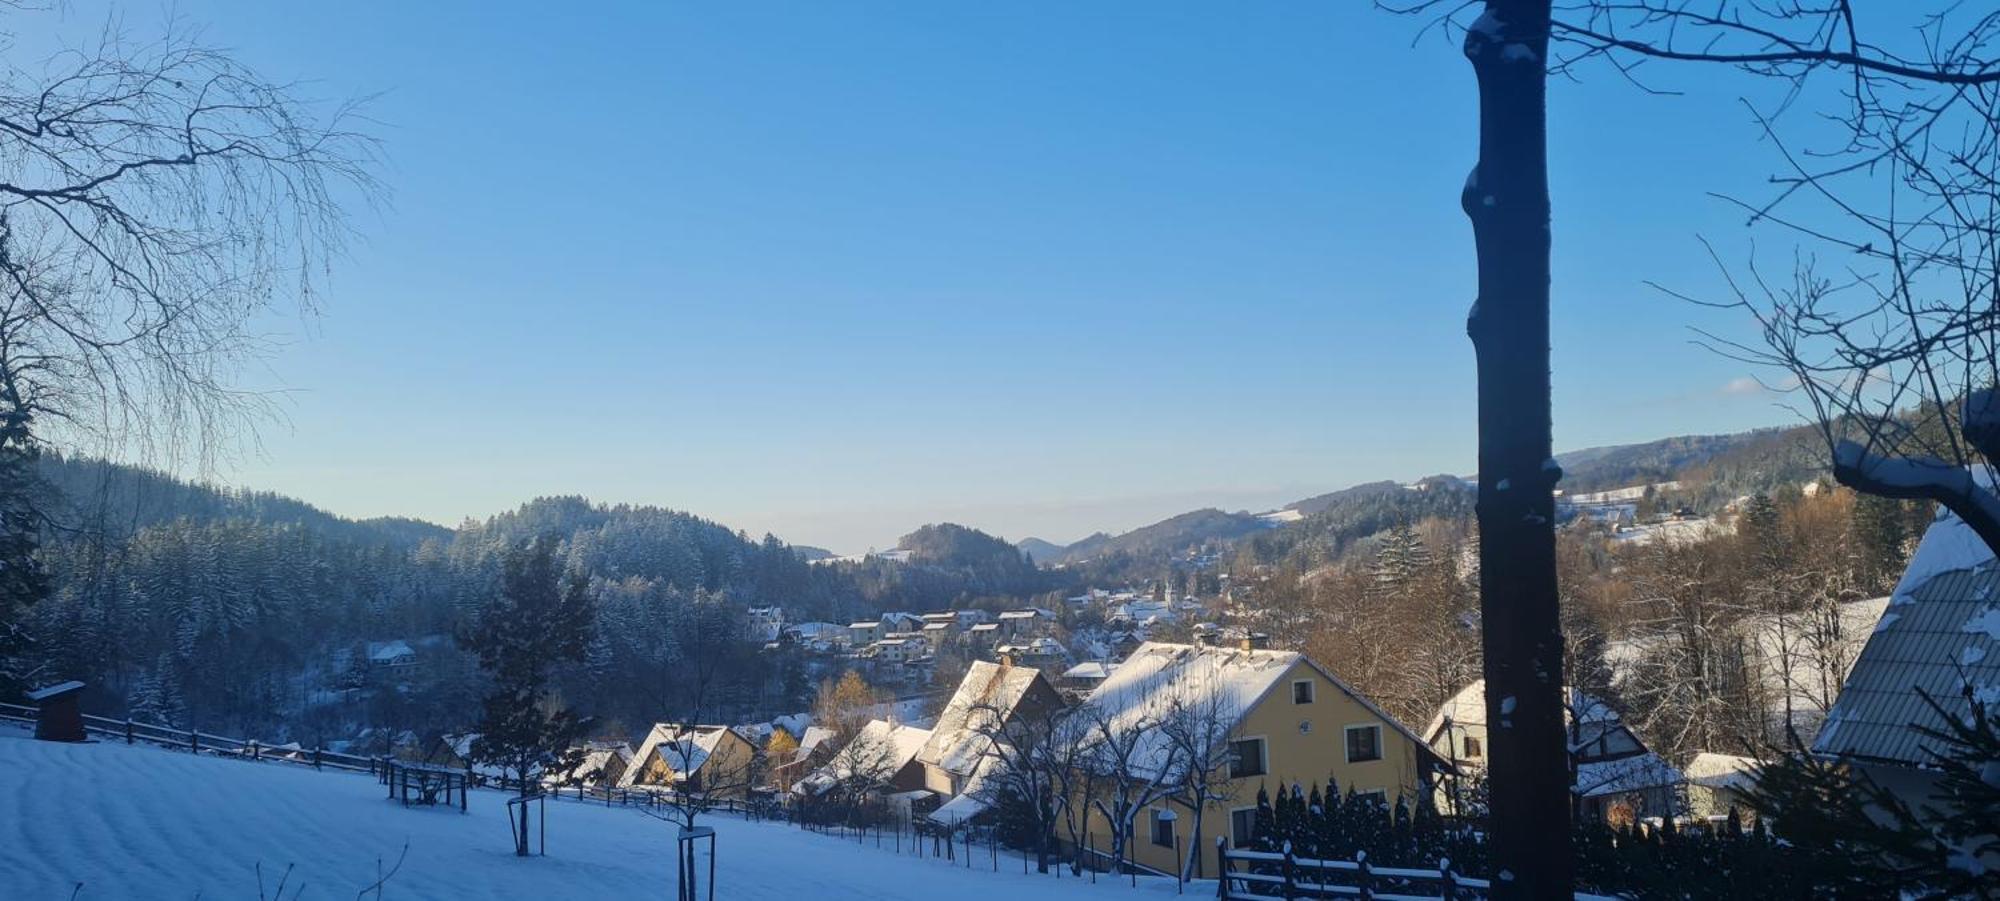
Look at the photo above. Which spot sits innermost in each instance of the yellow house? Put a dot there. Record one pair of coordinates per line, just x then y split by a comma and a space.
713, 759
1275, 718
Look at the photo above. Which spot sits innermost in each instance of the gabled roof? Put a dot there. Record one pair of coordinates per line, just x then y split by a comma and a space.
683, 750
989, 693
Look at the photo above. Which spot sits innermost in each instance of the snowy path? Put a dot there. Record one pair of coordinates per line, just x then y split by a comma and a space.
139, 822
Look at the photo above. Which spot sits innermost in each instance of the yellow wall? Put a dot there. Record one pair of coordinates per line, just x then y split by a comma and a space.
1305, 758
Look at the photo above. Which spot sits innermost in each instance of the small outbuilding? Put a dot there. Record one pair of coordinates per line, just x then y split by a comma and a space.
59, 712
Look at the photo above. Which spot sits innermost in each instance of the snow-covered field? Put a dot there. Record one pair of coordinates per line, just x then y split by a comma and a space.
140, 822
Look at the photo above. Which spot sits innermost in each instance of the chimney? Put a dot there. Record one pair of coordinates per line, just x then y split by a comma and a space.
1256, 641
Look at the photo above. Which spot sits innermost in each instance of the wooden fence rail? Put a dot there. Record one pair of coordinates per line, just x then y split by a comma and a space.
1282, 874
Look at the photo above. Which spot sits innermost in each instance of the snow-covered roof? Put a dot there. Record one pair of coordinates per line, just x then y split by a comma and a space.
878, 752
986, 627
1722, 770
1940, 635
390, 651
988, 694
596, 759
1092, 670
50, 691
1628, 774
959, 809
682, 750
814, 737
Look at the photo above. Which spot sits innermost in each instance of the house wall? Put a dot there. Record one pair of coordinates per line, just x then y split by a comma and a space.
1292, 756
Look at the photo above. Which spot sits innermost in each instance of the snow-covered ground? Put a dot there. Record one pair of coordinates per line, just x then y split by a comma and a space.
140, 822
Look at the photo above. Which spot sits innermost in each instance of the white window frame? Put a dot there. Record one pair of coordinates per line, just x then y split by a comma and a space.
1312, 692
1233, 811
1263, 756
1347, 747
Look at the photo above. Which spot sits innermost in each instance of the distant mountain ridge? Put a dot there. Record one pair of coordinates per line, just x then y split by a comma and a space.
1718, 467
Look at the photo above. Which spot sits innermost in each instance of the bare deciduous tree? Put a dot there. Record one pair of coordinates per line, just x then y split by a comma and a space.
159, 196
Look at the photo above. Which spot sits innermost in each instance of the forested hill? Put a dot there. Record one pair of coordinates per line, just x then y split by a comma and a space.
1168, 536
1718, 467
119, 500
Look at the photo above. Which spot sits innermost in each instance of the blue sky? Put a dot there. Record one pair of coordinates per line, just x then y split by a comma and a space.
837, 270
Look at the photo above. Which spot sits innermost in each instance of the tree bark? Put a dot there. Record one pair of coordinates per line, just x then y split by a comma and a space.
1507, 199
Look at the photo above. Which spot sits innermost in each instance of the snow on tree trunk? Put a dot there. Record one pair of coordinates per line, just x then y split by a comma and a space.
1507, 200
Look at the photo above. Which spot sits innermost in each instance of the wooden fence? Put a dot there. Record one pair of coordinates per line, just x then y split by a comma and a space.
198, 742
1265, 874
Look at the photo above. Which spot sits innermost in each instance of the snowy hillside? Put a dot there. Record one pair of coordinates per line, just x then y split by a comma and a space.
140, 822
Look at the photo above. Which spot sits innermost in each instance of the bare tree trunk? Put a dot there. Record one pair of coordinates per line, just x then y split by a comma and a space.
1507, 199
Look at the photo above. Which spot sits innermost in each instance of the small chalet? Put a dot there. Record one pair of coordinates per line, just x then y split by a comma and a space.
882, 755
602, 764
717, 759
1617, 779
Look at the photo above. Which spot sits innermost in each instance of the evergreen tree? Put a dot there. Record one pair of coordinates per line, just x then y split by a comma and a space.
540, 619
23, 582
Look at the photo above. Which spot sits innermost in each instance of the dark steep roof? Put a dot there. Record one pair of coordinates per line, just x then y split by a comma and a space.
1940, 636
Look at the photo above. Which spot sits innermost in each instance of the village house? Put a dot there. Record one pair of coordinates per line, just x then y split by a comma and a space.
714, 759
1617, 779
765, 623
601, 764
983, 636
393, 655
1020, 624
1940, 635
899, 621
1080, 680
861, 635
958, 752
882, 757
1279, 717
1041, 653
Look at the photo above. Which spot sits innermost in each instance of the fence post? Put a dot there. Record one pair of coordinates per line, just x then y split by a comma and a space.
255, 754
1221, 867
1449, 879
1366, 877
316, 756
128, 730
194, 741
1291, 877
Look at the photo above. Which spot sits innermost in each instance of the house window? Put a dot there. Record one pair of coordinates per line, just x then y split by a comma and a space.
1246, 758
1378, 796
1302, 691
1163, 831
1242, 827
1472, 748
1364, 743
